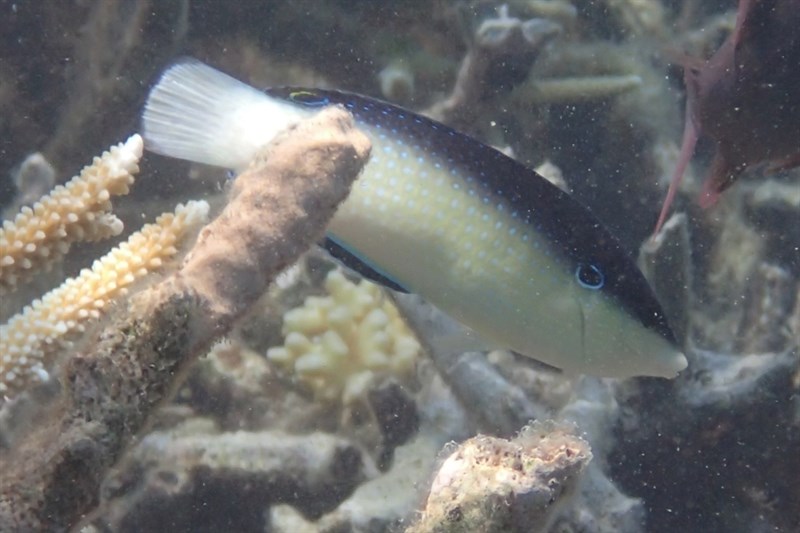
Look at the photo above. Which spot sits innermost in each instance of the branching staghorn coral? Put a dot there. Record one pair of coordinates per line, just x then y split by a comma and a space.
30, 339
336, 345
278, 208
80, 210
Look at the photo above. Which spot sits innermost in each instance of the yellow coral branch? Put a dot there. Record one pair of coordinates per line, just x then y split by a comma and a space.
27, 340
80, 210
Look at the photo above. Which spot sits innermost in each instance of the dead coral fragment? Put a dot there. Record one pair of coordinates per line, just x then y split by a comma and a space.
176, 472
337, 344
77, 211
27, 340
33, 179
638, 17
490, 484
577, 89
500, 56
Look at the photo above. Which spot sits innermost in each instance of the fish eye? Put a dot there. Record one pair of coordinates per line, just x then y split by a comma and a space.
589, 276
308, 98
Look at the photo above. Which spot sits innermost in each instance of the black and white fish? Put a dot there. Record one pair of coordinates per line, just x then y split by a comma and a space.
438, 213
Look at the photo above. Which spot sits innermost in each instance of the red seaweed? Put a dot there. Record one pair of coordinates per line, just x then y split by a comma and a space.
745, 98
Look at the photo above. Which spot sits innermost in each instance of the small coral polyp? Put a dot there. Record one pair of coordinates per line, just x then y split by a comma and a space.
337, 345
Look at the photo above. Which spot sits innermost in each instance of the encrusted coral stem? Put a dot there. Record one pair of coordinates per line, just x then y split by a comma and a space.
280, 207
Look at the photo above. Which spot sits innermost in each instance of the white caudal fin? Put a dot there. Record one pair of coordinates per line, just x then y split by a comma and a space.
200, 114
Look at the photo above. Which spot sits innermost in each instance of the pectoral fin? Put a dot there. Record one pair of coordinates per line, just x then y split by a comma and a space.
352, 260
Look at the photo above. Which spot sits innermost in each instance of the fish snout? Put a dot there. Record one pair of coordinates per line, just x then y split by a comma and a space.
617, 344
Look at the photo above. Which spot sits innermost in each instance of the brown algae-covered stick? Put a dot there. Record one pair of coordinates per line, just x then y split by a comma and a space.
278, 208
271, 219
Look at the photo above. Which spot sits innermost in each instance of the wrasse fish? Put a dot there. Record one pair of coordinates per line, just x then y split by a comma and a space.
440, 214
745, 98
